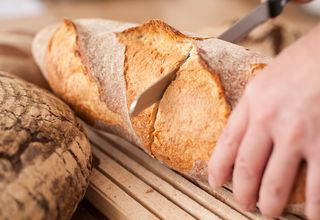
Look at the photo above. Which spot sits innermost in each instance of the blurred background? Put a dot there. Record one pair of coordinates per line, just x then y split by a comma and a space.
190, 15
204, 17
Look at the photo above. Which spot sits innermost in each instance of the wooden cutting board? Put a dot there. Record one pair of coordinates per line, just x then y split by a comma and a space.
126, 183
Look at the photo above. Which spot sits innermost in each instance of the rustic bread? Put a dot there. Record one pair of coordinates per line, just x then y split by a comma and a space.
16, 57
45, 156
100, 82
106, 64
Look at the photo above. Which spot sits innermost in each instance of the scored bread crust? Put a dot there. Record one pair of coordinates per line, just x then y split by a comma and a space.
152, 50
191, 115
106, 64
242, 65
79, 80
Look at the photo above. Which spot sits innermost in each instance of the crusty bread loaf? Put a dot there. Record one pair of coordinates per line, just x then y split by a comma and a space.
16, 57
45, 156
99, 66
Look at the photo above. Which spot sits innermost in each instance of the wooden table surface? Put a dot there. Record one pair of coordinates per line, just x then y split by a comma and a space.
187, 15
126, 183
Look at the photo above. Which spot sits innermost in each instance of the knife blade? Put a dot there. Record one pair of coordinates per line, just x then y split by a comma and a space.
154, 93
263, 12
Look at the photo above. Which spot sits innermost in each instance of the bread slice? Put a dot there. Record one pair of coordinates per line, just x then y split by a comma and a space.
99, 66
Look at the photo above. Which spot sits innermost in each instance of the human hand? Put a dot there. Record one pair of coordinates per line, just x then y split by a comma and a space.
275, 126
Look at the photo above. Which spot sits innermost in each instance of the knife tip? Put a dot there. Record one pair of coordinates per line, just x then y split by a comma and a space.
133, 110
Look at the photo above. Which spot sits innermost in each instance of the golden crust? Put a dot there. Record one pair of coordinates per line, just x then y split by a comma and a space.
182, 129
191, 116
152, 50
71, 79
235, 65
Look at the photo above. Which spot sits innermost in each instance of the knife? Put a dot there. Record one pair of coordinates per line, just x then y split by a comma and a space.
154, 92
262, 13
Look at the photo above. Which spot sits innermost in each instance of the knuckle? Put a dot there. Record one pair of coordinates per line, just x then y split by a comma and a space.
296, 131
266, 114
227, 139
243, 169
254, 87
272, 189
229, 142
250, 90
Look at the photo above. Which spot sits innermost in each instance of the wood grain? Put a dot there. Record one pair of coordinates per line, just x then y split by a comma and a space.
137, 175
113, 201
141, 191
173, 178
158, 184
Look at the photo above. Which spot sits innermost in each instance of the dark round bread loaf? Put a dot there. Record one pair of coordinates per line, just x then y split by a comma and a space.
45, 156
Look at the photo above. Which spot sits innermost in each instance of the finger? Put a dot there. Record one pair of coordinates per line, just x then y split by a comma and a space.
278, 180
223, 157
313, 190
250, 163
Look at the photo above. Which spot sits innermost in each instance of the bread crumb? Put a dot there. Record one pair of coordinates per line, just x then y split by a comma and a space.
149, 190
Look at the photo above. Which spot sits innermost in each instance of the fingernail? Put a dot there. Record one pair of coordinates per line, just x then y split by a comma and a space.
247, 207
244, 204
212, 182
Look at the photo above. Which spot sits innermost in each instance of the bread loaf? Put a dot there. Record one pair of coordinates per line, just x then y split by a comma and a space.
16, 57
45, 157
100, 66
